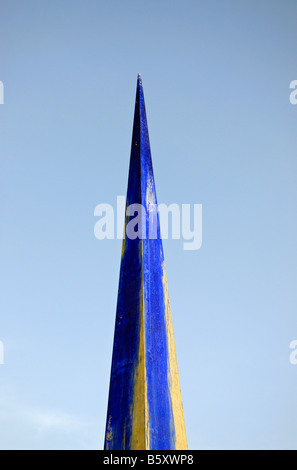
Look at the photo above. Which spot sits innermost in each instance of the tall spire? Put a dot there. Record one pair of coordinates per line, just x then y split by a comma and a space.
145, 406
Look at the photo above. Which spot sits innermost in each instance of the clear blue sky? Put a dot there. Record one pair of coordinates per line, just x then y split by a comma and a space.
223, 133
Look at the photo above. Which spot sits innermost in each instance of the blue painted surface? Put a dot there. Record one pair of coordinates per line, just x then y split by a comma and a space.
141, 351
126, 337
161, 426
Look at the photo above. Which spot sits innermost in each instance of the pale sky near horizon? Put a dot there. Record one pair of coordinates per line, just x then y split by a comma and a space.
223, 133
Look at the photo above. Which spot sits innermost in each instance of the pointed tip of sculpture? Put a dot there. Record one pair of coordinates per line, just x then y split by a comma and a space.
139, 79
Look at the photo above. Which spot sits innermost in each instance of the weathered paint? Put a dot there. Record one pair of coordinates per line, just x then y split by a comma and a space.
145, 406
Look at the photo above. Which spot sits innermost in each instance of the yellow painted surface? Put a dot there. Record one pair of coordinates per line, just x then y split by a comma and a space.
108, 433
139, 437
173, 376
